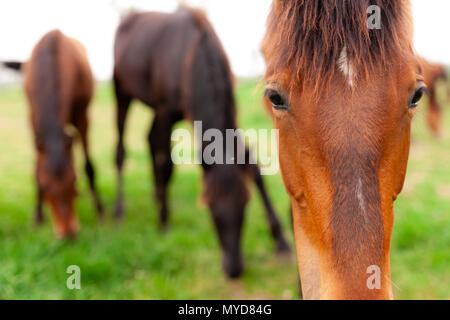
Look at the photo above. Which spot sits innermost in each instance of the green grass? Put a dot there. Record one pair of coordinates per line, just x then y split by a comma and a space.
135, 261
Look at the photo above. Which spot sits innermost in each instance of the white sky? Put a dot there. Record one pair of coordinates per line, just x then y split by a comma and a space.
240, 25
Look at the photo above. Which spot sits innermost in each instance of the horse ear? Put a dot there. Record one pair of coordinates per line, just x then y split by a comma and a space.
277, 3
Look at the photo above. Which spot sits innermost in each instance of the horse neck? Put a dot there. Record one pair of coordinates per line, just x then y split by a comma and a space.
45, 97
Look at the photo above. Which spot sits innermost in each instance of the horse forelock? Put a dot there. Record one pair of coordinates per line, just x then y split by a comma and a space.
314, 39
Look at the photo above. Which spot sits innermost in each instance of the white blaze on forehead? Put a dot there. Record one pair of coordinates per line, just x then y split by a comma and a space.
360, 196
345, 66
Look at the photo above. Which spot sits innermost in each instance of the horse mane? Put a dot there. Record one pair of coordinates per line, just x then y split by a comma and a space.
311, 37
208, 64
209, 94
46, 92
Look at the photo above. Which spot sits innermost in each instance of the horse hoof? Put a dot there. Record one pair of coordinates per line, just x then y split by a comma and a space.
233, 268
38, 221
234, 273
100, 212
164, 228
118, 218
118, 212
282, 247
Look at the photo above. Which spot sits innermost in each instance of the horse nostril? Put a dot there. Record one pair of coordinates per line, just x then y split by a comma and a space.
69, 233
66, 229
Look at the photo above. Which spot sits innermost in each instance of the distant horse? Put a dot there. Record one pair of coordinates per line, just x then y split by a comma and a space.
433, 73
176, 64
59, 86
343, 94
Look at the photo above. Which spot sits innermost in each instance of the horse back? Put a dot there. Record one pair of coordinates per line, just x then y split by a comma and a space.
151, 53
58, 76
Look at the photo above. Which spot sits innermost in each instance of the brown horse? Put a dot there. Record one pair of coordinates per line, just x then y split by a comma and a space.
59, 86
432, 74
176, 64
343, 95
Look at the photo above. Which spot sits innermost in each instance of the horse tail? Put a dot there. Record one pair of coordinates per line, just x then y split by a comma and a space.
14, 65
46, 93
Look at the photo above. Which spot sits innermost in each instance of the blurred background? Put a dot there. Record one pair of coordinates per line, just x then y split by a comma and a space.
133, 260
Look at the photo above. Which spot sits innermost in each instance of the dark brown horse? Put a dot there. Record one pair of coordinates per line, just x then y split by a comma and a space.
176, 64
59, 86
343, 92
434, 73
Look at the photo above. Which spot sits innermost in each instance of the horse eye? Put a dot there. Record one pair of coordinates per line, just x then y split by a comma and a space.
418, 94
277, 101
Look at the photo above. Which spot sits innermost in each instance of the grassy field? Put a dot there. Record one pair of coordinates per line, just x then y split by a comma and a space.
135, 261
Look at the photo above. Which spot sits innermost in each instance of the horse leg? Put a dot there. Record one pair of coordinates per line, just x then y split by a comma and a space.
159, 144
123, 104
274, 223
39, 214
82, 126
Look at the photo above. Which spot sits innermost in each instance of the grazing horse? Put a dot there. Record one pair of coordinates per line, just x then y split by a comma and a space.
343, 95
59, 86
432, 74
176, 64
